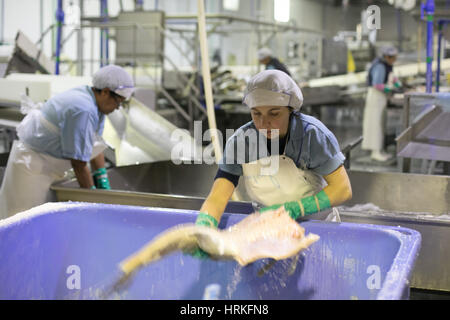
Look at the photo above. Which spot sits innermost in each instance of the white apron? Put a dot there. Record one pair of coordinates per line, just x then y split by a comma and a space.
374, 120
29, 174
288, 183
375, 117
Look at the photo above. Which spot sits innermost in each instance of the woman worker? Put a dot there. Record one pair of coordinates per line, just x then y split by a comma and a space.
309, 175
65, 132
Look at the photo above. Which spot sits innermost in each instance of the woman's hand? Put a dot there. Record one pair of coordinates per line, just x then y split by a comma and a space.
337, 192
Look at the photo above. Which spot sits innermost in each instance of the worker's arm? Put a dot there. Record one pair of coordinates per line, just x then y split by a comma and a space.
339, 188
99, 172
378, 76
217, 200
335, 193
213, 208
82, 173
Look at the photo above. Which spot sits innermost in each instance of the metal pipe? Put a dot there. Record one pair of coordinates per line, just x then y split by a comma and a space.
429, 7
399, 29
438, 70
41, 20
80, 53
104, 34
2, 21
59, 23
279, 26
441, 25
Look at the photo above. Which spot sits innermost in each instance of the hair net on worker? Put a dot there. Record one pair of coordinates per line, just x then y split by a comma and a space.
116, 79
264, 53
273, 88
389, 51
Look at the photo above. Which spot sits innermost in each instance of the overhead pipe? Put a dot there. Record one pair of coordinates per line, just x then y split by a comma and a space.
2, 21
429, 9
59, 25
104, 34
441, 25
399, 29
438, 69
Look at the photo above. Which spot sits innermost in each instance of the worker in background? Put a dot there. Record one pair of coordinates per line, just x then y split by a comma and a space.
381, 83
265, 57
309, 176
61, 133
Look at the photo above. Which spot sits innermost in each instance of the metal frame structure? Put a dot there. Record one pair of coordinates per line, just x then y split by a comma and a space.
191, 91
441, 24
406, 162
429, 9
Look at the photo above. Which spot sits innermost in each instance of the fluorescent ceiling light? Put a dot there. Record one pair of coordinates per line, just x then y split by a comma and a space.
281, 10
231, 5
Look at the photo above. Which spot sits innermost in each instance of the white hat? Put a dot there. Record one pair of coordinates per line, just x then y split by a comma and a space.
116, 79
264, 53
389, 51
273, 88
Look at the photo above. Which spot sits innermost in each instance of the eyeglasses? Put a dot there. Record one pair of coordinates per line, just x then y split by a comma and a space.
123, 87
120, 101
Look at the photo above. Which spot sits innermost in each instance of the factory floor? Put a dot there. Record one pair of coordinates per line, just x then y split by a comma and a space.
346, 124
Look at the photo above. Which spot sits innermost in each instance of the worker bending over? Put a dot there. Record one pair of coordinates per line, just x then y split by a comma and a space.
63, 132
305, 174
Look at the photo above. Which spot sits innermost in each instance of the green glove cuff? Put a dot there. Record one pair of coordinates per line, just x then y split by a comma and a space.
316, 203
387, 89
310, 205
204, 219
397, 85
270, 208
99, 172
324, 201
305, 206
101, 179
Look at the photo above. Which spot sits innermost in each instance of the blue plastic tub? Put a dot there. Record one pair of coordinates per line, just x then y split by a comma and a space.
70, 250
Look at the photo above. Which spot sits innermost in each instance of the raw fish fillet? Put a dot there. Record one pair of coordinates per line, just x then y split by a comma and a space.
272, 234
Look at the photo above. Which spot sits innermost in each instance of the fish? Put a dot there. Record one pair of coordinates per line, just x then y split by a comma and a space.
272, 234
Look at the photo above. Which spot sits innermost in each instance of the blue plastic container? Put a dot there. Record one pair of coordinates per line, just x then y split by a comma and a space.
72, 252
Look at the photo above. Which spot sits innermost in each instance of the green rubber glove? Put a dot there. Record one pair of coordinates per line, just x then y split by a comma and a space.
387, 90
203, 219
304, 206
101, 179
398, 84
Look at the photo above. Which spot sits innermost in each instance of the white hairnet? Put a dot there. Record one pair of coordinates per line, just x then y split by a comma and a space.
389, 51
264, 53
115, 78
273, 88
